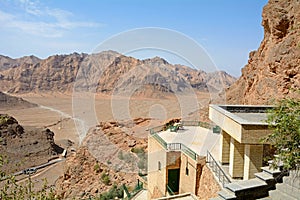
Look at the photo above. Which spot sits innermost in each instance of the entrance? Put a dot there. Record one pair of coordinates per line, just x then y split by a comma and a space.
173, 179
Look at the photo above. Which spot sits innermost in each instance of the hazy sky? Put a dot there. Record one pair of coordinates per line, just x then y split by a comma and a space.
227, 29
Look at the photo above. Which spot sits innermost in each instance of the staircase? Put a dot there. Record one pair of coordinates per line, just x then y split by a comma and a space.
255, 188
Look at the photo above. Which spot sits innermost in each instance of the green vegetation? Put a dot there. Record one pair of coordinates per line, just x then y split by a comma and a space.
137, 150
105, 178
113, 192
3, 119
97, 167
284, 119
11, 189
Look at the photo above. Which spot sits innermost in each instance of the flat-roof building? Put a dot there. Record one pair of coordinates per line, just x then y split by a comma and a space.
176, 155
243, 127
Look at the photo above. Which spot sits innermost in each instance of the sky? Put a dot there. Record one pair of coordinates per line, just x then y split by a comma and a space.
226, 30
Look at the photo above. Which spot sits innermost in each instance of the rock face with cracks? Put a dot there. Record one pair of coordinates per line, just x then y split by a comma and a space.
25, 147
273, 70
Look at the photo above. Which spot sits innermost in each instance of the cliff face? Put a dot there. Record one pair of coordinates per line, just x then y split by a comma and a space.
25, 146
273, 71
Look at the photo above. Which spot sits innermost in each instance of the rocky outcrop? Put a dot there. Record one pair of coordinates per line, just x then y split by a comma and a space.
273, 71
106, 72
25, 147
8, 101
110, 150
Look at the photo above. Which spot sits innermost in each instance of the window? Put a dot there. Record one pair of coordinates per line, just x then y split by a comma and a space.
159, 165
186, 171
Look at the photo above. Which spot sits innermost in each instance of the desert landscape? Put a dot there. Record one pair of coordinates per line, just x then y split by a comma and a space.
81, 121
100, 126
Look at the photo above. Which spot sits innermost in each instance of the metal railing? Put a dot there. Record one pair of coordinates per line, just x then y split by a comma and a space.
217, 169
180, 146
169, 190
137, 189
160, 140
175, 146
216, 129
197, 123
183, 148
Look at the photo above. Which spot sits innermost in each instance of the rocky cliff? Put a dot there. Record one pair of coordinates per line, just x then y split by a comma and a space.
25, 147
273, 71
105, 72
111, 154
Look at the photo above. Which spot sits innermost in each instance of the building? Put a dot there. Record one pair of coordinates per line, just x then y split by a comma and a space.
176, 155
242, 129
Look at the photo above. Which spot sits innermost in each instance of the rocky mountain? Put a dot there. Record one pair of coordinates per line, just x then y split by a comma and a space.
25, 147
7, 62
273, 71
8, 101
106, 72
110, 155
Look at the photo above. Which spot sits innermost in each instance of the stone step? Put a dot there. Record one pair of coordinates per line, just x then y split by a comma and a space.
268, 178
249, 189
226, 194
278, 195
246, 185
273, 172
289, 190
264, 176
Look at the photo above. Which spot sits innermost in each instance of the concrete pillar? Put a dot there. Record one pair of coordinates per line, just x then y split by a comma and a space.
225, 147
253, 160
236, 160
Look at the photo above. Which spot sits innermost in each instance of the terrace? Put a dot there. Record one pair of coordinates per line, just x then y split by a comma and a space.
176, 155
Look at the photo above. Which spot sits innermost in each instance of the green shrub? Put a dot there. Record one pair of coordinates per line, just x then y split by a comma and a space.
113, 192
285, 123
97, 168
137, 150
105, 178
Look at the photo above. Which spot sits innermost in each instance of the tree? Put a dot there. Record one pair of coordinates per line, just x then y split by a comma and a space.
284, 120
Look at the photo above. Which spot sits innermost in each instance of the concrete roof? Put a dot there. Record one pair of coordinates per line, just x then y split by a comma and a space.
245, 114
196, 138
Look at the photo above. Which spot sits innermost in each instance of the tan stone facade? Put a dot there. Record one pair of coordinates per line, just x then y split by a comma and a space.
253, 160
159, 175
241, 136
225, 147
236, 161
156, 174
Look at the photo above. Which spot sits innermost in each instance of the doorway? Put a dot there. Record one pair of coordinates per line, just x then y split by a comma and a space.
173, 179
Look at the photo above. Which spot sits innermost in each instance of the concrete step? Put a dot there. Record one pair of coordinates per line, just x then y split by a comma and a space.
264, 176
246, 185
249, 189
268, 178
273, 172
226, 194
289, 190
278, 195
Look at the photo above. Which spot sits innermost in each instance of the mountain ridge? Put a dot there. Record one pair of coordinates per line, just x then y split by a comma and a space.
105, 72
